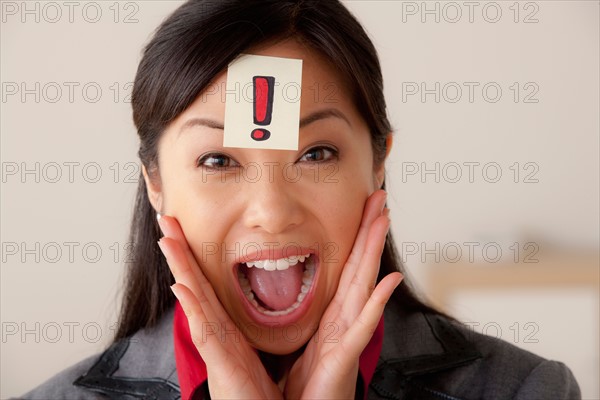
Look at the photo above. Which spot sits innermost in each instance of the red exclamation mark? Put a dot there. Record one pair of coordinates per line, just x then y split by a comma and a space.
263, 105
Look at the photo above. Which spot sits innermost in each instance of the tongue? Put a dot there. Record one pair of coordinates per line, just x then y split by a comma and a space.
276, 289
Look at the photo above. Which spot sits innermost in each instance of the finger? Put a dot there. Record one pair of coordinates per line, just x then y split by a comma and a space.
361, 331
373, 208
370, 262
171, 228
186, 275
204, 332
363, 281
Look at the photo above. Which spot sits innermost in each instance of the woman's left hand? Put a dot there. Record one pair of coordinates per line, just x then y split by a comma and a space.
329, 368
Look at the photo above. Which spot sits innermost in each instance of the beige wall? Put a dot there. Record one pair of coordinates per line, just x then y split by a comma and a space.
54, 304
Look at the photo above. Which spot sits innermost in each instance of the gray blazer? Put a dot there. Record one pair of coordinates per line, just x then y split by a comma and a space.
423, 357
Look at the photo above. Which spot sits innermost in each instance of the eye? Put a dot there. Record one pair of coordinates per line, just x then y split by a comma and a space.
216, 161
319, 154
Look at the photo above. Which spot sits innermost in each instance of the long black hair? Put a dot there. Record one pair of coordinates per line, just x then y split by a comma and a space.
192, 47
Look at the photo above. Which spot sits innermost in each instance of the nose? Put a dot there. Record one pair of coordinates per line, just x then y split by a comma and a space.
273, 203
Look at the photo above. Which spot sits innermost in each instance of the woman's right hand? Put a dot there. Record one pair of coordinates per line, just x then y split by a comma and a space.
233, 366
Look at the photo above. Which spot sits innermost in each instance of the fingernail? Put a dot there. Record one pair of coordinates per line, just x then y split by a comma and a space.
161, 222
166, 227
386, 212
383, 202
162, 248
174, 289
389, 225
400, 280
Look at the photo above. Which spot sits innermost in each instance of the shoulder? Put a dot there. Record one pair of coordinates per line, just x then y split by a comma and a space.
507, 371
140, 365
60, 386
428, 356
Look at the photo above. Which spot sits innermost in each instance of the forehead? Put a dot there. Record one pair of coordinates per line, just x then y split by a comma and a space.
322, 84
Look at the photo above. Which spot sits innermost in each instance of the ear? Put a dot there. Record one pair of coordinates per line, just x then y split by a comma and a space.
380, 171
153, 187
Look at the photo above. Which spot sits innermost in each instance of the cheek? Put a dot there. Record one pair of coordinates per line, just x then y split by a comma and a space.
197, 212
195, 203
203, 217
345, 201
340, 211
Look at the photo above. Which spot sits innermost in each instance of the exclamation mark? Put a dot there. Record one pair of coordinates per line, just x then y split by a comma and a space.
263, 105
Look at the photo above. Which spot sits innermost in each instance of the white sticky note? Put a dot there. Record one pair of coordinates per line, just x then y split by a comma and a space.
262, 102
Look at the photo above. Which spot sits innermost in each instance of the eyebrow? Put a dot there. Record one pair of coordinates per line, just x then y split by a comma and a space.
322, 114
309, 119
190, 123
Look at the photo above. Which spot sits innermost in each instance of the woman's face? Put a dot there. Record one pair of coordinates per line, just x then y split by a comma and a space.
238, 204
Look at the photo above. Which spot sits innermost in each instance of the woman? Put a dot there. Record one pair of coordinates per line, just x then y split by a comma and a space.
286, 288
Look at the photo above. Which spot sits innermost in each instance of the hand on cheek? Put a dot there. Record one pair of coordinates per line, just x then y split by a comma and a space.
328, 369
234, 368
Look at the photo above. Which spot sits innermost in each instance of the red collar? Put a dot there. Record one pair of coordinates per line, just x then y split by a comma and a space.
191, 370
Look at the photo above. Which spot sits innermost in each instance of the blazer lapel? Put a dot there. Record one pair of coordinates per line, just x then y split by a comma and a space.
414, 346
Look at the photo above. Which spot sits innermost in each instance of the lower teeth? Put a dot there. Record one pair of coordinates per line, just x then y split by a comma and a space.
307, 278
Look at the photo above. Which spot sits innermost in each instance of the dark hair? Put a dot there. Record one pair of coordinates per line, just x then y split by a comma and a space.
187, 52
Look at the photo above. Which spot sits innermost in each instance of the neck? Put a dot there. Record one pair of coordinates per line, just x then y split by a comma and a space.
278, 366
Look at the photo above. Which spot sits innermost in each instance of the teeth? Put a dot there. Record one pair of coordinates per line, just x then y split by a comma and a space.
271, 265
310, 265
292, 261
281, 264
245, 285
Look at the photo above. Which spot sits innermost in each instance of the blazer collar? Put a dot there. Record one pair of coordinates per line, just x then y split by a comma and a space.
415, 345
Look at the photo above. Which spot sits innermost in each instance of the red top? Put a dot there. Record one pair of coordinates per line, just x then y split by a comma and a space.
192, 370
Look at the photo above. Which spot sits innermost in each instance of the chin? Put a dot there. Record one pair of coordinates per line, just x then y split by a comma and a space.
282, 341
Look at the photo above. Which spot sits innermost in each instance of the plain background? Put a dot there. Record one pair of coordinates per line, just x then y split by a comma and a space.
80, 150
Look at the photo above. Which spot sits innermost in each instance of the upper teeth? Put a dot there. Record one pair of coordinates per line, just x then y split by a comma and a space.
281, 264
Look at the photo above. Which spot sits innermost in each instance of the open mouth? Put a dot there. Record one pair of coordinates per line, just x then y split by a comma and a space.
277, 288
